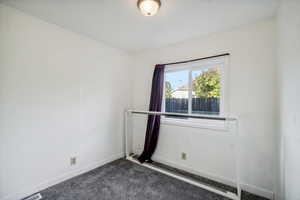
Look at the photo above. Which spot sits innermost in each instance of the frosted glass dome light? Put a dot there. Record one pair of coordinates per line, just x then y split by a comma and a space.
149, 7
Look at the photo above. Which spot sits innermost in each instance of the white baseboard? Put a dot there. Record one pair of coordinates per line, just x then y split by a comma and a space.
22, 193
246, 187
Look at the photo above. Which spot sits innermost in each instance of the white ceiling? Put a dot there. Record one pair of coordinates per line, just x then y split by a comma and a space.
118, 23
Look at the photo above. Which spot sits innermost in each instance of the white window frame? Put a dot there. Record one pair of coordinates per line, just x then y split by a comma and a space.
222, 63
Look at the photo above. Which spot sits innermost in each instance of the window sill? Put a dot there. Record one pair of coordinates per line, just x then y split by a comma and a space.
203, 124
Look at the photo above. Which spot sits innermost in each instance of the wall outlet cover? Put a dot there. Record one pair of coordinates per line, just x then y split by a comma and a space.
73, 161
183, 156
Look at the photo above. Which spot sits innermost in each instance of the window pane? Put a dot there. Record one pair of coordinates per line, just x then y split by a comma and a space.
176, 92
206, 91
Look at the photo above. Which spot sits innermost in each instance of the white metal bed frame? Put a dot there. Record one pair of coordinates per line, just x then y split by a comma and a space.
227, 194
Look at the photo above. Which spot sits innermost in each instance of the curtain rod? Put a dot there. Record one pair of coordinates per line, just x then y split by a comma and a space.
186, 61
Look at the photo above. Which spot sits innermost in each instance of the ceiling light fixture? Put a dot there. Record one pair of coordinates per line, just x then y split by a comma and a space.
149, 7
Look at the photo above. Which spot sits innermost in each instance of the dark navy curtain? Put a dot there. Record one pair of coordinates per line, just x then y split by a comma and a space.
153, 122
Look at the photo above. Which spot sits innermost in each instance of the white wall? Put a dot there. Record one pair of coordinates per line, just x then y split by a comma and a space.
61, 95
289, 74
252, 98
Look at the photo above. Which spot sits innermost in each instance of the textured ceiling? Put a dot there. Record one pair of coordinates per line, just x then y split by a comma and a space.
118, 23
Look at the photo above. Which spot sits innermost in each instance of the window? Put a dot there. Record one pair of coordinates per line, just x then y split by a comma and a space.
195, 88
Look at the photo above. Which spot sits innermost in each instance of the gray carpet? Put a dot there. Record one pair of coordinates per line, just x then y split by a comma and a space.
123, 180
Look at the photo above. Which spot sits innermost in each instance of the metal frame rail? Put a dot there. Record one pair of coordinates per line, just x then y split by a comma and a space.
180, 177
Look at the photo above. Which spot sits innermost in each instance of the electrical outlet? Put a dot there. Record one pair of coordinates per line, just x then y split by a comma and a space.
73, 161
183, 156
